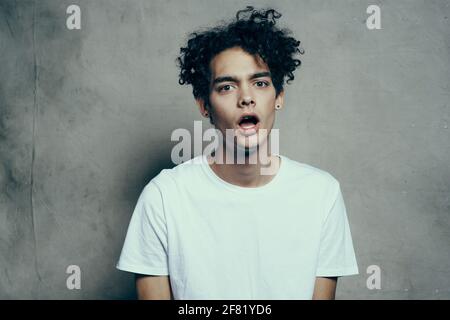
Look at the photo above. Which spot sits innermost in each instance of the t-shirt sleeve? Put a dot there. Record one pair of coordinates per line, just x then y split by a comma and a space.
145, 247
336, 253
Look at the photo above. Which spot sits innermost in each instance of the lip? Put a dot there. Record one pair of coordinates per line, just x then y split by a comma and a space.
248, 114
249, 131
252, 130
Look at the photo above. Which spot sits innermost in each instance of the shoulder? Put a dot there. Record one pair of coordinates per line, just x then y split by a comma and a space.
310, 174
321, 184
180, 174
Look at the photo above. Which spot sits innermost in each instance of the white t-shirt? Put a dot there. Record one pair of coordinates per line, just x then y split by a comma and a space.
217, 240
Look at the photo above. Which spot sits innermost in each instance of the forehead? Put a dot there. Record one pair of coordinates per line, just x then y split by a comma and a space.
236, 62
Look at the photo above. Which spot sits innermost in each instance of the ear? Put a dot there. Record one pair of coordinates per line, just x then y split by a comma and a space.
279, 101
201, 105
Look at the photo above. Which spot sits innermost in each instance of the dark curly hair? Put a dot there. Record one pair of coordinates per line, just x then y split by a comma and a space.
255, 32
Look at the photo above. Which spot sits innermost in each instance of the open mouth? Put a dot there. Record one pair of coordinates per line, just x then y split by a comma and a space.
248, 123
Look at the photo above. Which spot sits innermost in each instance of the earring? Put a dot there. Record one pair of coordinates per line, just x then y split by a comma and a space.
206, 114
277, 107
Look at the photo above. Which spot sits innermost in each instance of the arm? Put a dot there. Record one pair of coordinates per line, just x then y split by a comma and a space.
325, 288
153, 287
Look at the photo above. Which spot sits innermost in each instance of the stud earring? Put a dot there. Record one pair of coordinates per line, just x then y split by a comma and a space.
277, 107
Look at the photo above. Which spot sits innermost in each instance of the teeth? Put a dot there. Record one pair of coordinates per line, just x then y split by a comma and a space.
247, 125
248, 118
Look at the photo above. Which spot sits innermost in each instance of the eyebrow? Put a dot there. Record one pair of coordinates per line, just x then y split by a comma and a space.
234, 79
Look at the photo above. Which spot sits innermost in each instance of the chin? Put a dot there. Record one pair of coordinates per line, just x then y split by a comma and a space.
248, 142
250, 145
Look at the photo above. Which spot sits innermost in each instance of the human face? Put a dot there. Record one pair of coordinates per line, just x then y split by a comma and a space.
241, 84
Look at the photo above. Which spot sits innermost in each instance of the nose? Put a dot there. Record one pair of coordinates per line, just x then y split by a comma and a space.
246, 100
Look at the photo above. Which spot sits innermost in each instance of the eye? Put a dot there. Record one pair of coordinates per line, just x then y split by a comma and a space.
226, 87
262, 83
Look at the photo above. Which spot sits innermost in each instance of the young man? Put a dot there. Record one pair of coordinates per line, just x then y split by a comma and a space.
219, 230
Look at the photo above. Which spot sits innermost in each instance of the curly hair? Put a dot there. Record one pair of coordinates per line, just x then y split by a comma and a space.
255, 32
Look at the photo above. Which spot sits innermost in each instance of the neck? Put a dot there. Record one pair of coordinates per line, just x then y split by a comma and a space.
256, 168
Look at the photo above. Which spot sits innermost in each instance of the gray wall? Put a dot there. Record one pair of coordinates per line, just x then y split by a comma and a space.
86, 118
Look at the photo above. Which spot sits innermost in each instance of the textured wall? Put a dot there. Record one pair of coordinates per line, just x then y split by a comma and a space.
86, 118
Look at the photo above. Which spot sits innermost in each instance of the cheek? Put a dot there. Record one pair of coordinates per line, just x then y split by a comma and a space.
222, 104
222, 101
271, 95
265, 97
217, 114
